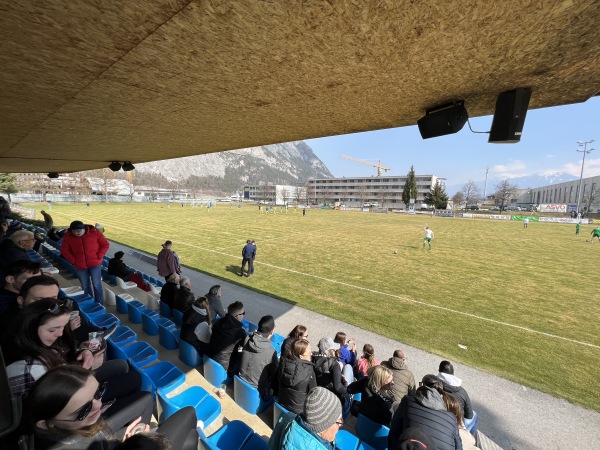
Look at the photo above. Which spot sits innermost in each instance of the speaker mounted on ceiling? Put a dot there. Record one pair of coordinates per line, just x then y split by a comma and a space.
441, 120
509, 116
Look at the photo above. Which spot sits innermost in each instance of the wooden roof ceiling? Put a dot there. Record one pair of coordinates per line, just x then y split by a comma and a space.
84, 83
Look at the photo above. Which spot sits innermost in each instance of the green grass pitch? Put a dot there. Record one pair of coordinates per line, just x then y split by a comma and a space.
524, 302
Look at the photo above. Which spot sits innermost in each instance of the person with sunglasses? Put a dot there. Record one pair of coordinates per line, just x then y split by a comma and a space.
227, 333
69, 409
42, 340
315, 428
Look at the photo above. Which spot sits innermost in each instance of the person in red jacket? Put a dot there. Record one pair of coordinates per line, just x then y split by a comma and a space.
84, 246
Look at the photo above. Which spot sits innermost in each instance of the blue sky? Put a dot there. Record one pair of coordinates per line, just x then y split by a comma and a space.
548, 145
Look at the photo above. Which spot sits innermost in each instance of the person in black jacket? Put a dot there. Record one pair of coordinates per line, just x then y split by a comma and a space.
214, 301
453, 385
426, 410
227, 333
377, 402
118, 268
184, 298
295, 377
192, 318
329, 373
168, 291
299, 332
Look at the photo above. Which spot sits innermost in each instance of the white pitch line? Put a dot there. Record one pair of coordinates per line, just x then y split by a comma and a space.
387, 294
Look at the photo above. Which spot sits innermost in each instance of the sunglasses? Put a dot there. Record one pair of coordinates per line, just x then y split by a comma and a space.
61, 306
85, 410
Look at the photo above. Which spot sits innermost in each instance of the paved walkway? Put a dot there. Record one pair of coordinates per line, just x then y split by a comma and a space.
513, 416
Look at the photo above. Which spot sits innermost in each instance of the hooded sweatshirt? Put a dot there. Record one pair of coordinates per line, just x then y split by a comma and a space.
258, 355
404, 380
226, 334
452, 385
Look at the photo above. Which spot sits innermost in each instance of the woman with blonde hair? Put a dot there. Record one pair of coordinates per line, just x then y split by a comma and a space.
377, 398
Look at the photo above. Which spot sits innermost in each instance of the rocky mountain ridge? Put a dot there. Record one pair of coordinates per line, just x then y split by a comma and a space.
290, 163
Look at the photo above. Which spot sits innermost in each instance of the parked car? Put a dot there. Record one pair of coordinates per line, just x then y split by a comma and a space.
494, 208
473, 207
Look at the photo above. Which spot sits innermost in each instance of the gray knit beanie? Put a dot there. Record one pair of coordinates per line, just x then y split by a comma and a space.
322, 408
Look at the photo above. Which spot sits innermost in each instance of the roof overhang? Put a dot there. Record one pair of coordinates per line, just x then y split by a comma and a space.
86, 83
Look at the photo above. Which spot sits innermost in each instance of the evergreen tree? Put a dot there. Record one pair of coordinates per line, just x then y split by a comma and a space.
437, 197
410, 187
8, 184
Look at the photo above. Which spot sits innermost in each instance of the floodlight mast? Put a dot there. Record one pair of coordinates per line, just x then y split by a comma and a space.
584, 151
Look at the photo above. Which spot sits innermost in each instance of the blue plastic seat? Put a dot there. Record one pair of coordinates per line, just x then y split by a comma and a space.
231, 436
122, 336
278, 411
134, 311
168, 337
165, 310
207, 407
177, 317
122, 303
247, 397
357, 397
105, 320
256, 442
372, 433
138, 353
150, 324
345, 440
252, 327
188, 354
164, 375
214, 372
83, 299
91, 309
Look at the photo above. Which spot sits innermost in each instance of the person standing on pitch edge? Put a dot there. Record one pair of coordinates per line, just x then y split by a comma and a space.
428, 237
248, 254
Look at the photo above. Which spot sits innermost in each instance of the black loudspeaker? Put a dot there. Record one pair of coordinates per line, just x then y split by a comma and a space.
509, 117
445, 119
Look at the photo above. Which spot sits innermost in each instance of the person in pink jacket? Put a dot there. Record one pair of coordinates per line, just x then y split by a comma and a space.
84, 246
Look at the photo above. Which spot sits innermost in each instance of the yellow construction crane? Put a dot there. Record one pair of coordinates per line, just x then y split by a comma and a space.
378, 166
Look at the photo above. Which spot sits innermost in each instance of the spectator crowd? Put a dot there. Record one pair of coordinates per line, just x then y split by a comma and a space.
74, 397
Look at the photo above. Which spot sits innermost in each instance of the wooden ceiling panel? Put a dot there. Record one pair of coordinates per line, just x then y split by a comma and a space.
150, 80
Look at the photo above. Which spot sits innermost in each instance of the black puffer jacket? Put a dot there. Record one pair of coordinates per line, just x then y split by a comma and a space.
167, 293
191, 319
426, 410
329, 374
183, 299
296, 378
227, 332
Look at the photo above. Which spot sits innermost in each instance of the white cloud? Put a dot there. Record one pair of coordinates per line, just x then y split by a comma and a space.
513, 169
591, 169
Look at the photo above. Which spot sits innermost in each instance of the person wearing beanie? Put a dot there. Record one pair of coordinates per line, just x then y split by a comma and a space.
118, 268
414, 439
314, 429
84, 246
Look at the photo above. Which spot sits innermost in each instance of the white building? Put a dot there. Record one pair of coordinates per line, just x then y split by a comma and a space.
385, 192
275, 194
568, 193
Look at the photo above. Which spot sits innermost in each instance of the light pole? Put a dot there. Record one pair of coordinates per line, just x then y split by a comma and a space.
584, 151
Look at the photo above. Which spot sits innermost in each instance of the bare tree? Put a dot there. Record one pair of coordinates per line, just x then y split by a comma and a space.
505, 193
470, 192
590, 197
458, 199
